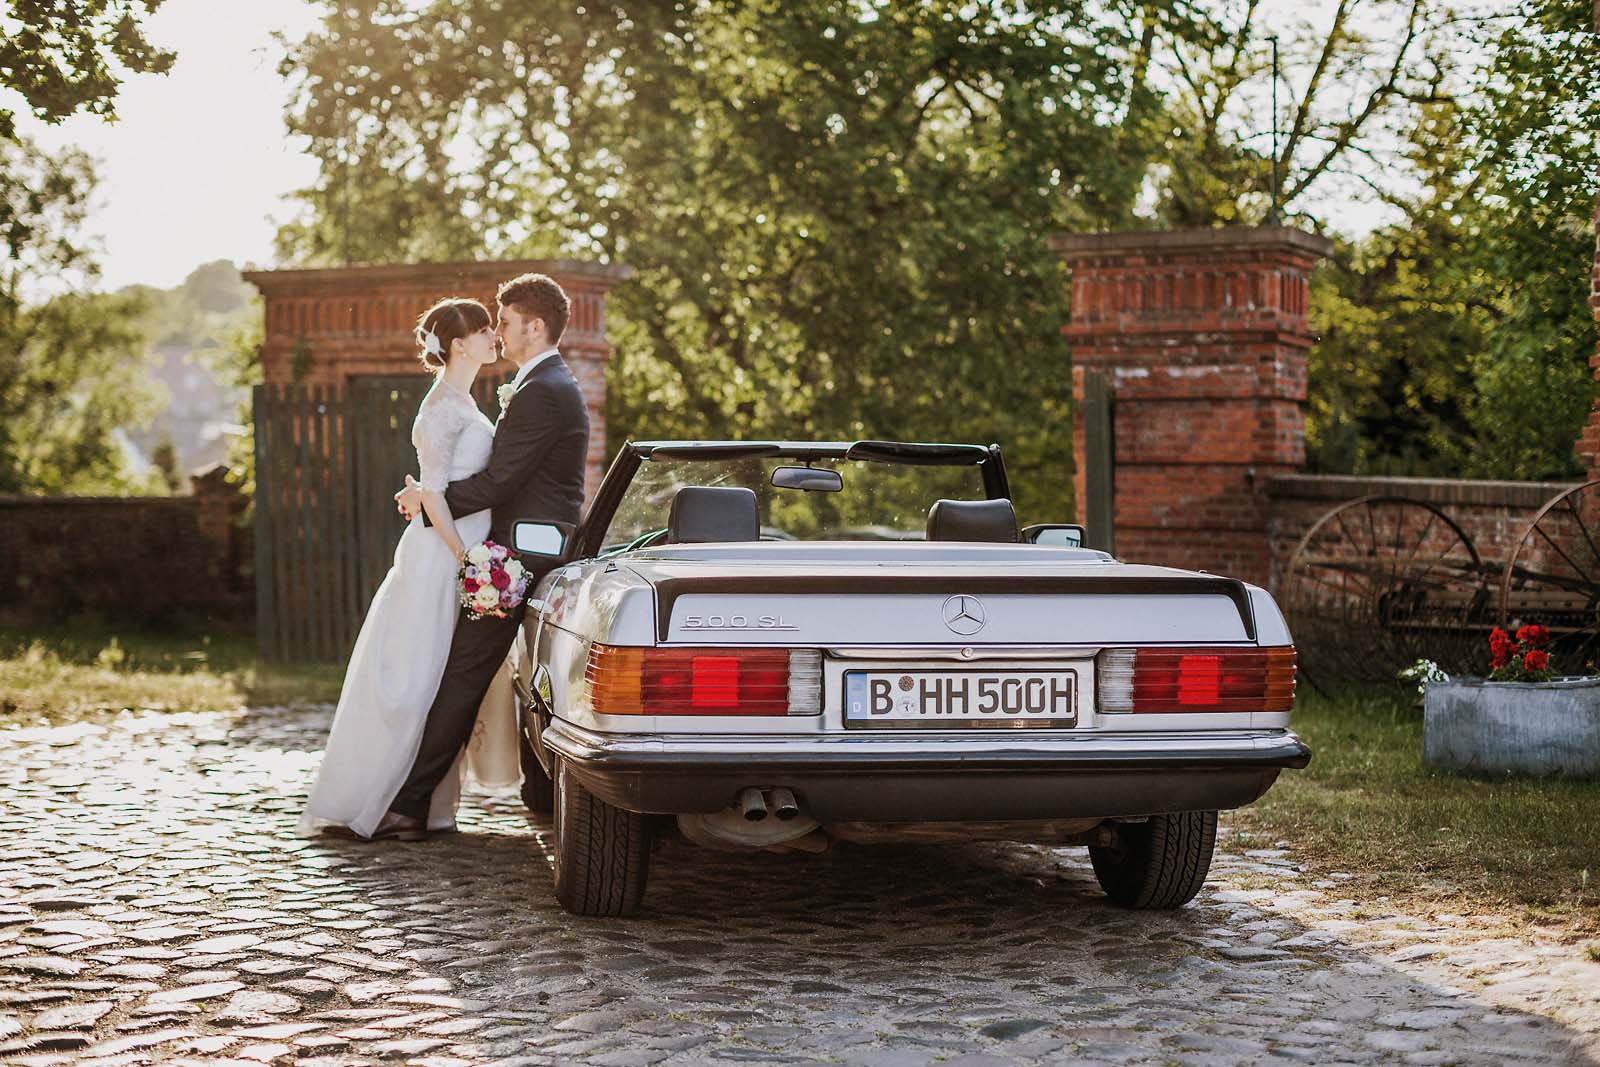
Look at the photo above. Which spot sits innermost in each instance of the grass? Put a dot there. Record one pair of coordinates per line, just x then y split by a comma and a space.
51, 673
1526, 848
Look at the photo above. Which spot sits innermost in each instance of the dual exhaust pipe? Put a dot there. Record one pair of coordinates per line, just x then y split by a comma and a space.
756, 804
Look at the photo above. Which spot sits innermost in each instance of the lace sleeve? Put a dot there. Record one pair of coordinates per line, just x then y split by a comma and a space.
434, 435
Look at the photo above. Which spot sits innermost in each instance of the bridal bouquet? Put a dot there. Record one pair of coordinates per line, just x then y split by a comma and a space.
491, 582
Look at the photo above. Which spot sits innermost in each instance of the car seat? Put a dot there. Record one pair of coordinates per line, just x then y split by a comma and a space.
973, 520
703, 513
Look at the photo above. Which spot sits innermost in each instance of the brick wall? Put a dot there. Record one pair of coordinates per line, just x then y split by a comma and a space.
140, 560
326, 326
1589, 443
1492, 515
1202, 335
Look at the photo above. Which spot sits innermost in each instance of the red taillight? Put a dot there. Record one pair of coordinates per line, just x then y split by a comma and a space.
1213, 679
688, 681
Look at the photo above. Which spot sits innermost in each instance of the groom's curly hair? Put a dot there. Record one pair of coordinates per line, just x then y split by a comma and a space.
538, 296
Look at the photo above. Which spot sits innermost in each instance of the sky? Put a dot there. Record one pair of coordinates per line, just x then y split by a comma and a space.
198, 164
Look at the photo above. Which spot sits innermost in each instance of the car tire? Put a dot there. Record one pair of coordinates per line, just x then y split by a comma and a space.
1159, 863
602, 852
538, 792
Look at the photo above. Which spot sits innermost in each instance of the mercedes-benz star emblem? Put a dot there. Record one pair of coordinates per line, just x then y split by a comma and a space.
964, 614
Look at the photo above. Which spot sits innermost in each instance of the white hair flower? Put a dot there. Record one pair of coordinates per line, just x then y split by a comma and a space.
431, 345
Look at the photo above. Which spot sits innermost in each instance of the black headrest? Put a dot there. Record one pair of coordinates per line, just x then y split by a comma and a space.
972, 520
705, 513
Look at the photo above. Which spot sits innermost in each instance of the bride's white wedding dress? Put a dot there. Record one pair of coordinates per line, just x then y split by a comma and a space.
400, 655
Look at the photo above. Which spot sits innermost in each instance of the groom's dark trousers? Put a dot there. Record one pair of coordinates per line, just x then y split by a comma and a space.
535, 471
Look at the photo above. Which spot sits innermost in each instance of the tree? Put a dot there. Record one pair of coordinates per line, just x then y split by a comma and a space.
70, 362
164, 460
1536, 134
75, 379
1457, 341
66, 56
1349, 91
1390, 381
837, 215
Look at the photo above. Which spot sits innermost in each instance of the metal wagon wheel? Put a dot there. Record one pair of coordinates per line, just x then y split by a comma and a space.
1553, 577
1380, 582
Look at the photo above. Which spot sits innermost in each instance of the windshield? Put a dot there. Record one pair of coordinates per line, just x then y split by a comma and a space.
879, 501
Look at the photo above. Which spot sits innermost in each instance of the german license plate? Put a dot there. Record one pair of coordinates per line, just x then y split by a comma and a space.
960, 698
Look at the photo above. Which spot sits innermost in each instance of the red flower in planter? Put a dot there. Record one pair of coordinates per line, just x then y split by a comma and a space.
1535, 660
1533, 636
1499, 648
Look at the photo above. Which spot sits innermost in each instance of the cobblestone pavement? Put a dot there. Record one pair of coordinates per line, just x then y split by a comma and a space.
156, 908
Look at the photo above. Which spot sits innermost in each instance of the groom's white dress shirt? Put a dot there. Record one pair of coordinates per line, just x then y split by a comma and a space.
527, 368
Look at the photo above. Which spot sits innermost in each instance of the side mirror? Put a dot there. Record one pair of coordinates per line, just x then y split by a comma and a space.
1054, 534
534, 538
811, 479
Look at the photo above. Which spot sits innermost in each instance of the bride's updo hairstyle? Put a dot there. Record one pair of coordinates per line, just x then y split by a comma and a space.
443, 323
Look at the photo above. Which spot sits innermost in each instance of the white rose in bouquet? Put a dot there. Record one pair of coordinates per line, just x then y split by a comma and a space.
478, 554
487, 597
514, 570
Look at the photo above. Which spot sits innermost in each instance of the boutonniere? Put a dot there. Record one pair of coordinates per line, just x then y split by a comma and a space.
504, 395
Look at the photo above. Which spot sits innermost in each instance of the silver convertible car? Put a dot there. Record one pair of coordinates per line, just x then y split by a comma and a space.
767, 645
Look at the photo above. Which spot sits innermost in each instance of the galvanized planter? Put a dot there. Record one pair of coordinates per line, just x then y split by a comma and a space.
1537, 728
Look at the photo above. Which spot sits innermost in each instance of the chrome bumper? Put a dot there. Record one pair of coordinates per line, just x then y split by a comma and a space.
920, 779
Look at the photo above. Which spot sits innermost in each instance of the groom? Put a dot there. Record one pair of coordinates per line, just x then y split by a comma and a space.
535, 471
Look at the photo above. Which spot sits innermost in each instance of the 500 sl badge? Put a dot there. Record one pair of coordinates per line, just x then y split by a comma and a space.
737, 622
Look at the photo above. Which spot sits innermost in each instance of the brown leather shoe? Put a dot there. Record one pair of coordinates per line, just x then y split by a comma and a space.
399, 827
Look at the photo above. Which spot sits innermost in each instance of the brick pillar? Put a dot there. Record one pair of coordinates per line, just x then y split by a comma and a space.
326, 326
1202, 336
218, 505
1589, 442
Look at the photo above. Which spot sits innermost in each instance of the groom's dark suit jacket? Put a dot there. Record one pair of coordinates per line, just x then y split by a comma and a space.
535, 470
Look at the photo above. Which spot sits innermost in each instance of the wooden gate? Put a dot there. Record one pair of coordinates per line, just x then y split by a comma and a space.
328, 462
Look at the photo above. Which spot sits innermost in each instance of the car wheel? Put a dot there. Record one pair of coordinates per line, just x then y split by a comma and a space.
1159, 863
602, 852
538, 792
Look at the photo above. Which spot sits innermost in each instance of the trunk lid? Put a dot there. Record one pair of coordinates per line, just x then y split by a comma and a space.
902, 594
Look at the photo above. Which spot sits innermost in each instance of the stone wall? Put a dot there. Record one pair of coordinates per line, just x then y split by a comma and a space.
140, 560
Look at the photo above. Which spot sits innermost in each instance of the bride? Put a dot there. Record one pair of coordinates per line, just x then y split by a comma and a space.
399, 657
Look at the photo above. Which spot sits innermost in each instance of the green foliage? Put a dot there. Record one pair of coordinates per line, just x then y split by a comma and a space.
1391, 383
71, 364
63, 57
1536, 139
837, 212
837, 217
76, 376
66, 57
233, 355
1205, 66
203, 311
1457, 341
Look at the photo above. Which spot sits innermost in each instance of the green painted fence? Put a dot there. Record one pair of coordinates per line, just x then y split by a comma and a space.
328, 461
